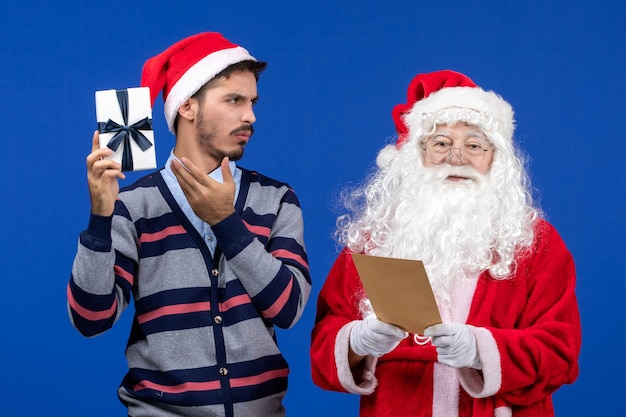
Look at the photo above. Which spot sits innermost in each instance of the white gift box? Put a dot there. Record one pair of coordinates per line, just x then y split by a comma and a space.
131, 137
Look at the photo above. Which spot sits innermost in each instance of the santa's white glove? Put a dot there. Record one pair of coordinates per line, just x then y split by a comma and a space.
456, 345
373, 337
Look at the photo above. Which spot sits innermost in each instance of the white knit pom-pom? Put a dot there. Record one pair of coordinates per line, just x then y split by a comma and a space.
386, 156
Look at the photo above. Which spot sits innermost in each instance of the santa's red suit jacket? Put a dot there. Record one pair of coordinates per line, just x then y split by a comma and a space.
527, 329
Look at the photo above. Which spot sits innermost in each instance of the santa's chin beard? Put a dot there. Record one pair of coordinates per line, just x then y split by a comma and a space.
444, 223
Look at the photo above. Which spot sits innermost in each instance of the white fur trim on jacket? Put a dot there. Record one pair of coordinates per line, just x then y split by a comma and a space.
342, 346
491, 380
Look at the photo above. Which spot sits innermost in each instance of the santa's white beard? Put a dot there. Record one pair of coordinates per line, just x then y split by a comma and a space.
446, 224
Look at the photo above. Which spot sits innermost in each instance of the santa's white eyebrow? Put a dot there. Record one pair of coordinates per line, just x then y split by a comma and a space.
440, 132
471, 134
476, 134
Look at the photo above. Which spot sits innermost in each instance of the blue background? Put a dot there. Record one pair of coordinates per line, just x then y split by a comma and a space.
336, 68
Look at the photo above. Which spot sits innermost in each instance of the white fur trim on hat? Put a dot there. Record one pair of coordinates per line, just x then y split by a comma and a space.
473, 105
198, 75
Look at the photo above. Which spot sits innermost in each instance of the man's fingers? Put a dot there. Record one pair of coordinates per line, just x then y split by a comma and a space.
95, 141
194, 176
226, 174
100, 164
183, 173
97, 153
191, 168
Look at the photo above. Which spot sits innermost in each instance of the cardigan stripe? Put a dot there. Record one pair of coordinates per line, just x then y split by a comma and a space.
259, 230
152, 237
90, 314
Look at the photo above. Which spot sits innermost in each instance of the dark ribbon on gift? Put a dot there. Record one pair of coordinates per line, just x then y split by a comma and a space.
124, 132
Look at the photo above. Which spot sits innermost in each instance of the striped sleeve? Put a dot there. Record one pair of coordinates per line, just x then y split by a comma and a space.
102, 277
266, 250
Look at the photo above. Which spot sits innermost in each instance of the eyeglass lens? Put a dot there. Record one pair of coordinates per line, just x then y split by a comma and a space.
439, 151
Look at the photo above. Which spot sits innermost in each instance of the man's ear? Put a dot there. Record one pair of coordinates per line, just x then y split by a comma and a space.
189, 109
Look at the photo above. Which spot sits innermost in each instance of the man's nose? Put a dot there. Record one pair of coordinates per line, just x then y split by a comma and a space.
248, 116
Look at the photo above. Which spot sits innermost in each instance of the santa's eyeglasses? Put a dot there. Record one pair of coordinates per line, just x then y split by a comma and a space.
439, 150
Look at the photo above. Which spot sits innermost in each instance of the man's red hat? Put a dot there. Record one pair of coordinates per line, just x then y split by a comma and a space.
183, 68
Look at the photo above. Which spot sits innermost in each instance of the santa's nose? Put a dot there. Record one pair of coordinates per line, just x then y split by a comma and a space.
455, 157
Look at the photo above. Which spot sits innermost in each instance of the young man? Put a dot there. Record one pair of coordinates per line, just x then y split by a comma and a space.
452, 193
213, 254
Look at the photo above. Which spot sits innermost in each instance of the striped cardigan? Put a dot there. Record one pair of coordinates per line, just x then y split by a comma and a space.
202, 341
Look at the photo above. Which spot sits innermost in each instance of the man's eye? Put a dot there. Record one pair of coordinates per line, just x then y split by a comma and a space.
473, 146
234, 100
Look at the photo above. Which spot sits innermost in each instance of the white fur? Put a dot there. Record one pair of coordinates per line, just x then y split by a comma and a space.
489, 381
445, 391
494, 114
342, 346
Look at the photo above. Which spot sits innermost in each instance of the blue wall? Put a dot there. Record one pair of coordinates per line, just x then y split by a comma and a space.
335, 71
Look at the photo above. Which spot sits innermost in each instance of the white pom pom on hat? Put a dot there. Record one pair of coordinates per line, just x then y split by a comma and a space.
183, 68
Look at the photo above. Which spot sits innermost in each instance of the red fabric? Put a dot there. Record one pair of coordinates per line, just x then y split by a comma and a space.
421, 87
533, 318
161, 72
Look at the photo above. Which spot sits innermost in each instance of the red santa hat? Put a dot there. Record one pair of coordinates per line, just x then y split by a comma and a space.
449, 97
183, 68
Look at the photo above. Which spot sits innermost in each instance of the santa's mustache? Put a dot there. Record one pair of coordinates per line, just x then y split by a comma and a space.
243, 128
442, 172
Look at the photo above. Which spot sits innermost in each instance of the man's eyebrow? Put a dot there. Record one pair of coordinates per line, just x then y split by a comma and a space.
238, 95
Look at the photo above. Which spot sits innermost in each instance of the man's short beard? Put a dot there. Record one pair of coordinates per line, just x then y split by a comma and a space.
232, 156
206, 135
238, 154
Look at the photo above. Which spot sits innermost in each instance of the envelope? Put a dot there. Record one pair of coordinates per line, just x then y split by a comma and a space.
399, 291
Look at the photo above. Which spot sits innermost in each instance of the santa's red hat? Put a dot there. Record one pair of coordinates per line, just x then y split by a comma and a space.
449, 97
183, 68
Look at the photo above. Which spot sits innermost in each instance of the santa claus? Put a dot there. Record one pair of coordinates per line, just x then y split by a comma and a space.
452, 192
